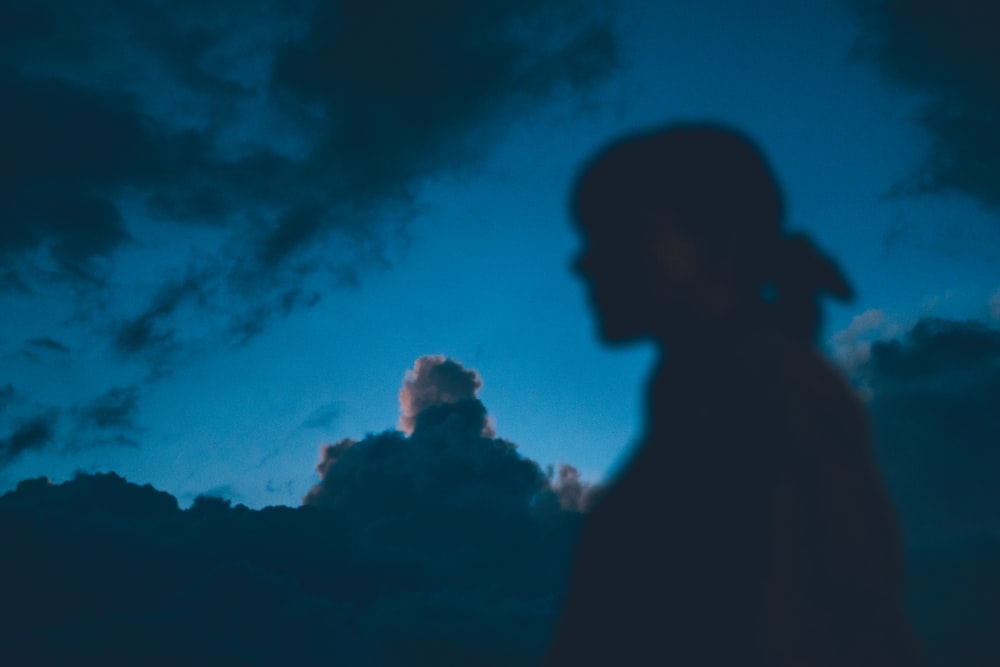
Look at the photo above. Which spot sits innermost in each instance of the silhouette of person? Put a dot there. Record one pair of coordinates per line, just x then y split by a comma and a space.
750, 526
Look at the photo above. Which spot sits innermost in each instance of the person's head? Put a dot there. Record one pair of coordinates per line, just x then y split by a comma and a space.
682, 230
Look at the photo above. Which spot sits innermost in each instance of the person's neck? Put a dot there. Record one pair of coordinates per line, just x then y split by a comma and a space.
694, 326
702, 338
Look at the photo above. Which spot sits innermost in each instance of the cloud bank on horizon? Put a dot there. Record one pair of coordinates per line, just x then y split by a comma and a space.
443, 544
931, 391
440, 545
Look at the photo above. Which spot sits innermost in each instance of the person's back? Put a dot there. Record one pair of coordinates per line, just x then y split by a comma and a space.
750, 527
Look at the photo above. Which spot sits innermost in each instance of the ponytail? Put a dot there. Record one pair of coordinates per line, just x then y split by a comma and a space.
797, 273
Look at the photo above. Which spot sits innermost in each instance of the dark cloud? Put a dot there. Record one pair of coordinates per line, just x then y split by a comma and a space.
47, 343
949, 52
110, 417
63, 145
249, 324
219, 496
298, 131
151, 333
107, 419
934, 350
123, 576
934, 393
297, 226
324, 415
7, 396
408, 86
29, 434
440, 547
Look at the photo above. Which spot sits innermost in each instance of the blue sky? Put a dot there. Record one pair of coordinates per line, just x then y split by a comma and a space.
229, 229
463, 251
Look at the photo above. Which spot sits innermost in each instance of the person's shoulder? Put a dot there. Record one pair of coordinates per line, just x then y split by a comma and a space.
827, 408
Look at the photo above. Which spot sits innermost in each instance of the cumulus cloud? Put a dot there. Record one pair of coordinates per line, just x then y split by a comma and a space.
439, 546
933, 393
574, 493
476, 517
434, 380
949, 52
851, 346
444, 463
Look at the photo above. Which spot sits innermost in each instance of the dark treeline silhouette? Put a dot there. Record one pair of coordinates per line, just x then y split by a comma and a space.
750, 527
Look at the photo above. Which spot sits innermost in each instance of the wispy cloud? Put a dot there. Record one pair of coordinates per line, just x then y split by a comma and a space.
299, 130
30, 434
47, 343
324, 415
108, 419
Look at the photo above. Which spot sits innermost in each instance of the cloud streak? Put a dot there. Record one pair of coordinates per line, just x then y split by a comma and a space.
47, 343
111, 417
29, 434
300, 137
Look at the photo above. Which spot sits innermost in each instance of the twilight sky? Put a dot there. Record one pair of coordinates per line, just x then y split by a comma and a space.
227, 232
228, 229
